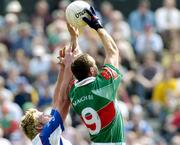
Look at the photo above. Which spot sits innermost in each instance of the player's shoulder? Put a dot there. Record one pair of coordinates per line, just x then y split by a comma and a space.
108, 71
71, 85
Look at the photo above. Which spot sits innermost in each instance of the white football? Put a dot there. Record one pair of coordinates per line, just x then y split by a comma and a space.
75, 12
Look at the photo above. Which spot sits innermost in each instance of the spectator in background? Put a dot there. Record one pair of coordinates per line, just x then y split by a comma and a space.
161, 91
5, 93
175, 140
125, 48
41, 58
11, 22
42, 87
170, 128
3, 38
1, 21
8, 123
148, 41
22, 95
168, 16
11, 82
15, 7
3, 72
106, 10
137, 124
63, 4
141, 17
116, 22
17, 62
88, 42
168, 20
3, 141
45, 100
53, 72
42, 12
10, 115
175, 118
4, 55
37, 27
148, 75
24, 39
57, 35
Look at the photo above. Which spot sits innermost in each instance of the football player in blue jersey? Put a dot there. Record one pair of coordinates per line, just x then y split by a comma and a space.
46, 129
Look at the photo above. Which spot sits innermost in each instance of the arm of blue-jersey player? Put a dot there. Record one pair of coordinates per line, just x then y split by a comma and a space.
64, 101
58, 86
59, 99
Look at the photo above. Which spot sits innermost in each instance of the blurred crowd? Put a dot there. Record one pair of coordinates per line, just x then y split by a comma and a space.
149, 44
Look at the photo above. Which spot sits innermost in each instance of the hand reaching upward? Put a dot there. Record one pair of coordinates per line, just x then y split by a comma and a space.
74, 32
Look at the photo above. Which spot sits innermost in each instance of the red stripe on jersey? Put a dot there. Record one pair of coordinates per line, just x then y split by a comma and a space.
113, 73
106, 73
107, 114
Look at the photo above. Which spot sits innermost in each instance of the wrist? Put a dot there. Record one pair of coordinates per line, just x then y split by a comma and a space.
100, 30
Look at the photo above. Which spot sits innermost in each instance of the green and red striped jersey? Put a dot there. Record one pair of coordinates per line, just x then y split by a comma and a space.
94, 99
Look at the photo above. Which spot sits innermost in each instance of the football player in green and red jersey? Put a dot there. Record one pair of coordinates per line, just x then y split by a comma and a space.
93, 93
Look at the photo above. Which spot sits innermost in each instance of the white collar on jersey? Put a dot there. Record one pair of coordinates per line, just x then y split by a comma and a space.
85, 81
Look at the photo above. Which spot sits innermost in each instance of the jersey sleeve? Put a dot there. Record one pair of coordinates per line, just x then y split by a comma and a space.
110, 74
52, 125
108, 81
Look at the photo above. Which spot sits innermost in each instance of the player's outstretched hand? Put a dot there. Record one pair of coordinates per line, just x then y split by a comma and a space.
94, 21
74, 32
66, 56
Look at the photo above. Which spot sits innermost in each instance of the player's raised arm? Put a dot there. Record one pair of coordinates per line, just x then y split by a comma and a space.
74, 33
58, 86
63, 101
111, 50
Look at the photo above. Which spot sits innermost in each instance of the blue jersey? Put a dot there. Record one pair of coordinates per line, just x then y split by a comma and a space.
51, 132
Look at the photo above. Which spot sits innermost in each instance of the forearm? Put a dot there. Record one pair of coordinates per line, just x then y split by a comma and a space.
108, 42
75, 46
58, 86
111, 50
65, 83
64, 109
74, 42
63, 100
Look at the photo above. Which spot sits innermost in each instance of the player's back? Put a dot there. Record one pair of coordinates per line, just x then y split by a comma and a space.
94, 100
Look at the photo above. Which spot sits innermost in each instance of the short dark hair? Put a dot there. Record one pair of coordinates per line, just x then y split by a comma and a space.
81, 66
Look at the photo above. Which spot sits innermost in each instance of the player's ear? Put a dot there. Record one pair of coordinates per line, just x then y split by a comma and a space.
39, 126
92, 71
